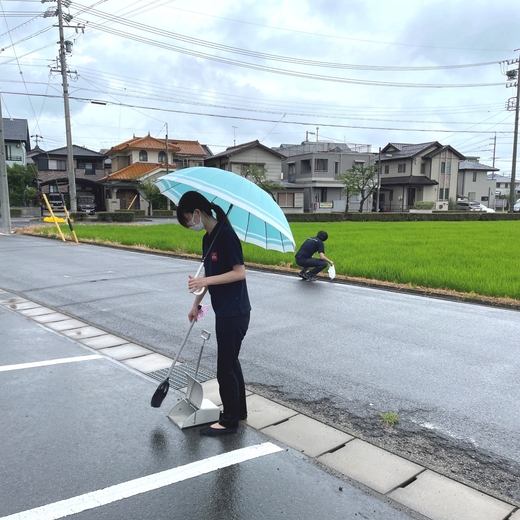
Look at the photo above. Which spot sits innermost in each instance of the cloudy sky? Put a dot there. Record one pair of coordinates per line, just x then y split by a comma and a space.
364, 72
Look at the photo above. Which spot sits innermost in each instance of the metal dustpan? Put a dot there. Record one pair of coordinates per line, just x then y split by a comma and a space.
194, 410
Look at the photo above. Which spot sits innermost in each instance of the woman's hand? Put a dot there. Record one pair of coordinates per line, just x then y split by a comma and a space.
196, 284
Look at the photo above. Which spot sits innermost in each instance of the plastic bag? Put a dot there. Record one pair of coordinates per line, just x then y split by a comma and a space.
332, 272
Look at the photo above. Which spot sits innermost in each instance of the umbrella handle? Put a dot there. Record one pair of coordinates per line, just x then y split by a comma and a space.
200, 291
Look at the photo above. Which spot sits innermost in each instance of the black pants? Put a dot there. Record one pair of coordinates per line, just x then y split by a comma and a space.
317, 263
230, 333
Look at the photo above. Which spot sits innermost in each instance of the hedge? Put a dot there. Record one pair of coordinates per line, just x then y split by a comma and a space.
136, 212
16, 212
162, 213
453, 216
78, 216
124, 216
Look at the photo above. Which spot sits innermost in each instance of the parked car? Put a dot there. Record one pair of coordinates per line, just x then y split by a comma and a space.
483, 207
468, 205
516, 207
55, 201
87, 204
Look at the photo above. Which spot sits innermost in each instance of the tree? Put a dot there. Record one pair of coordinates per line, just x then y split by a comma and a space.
258, 175
359, 179
22, 180
153, 196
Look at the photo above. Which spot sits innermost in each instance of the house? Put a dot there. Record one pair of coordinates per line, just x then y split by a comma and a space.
473, 182
417, 172
89, 169
144, 159
239, 159
502, 185
17, 141
315, 167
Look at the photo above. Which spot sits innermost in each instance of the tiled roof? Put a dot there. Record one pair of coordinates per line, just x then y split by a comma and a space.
406, 150
408, 180
188, 147
232, 150
472, 165
134, 171
181, 147
77, 151
16, 130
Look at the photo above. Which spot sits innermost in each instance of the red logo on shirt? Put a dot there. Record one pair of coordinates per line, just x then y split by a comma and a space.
214, 256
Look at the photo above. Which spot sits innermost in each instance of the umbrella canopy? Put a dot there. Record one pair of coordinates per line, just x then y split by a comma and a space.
255, 216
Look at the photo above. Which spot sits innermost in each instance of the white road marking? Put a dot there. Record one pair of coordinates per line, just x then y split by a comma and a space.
21, 366
141, 485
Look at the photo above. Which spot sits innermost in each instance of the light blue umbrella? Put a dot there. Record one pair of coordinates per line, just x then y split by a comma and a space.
254, 215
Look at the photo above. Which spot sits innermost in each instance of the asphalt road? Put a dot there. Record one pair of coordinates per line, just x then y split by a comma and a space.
342, 353
80, 440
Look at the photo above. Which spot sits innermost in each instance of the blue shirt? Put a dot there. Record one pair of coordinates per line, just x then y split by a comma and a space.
230, 299
309, 247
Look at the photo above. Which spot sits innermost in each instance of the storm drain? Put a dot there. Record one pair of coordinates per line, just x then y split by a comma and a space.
6, 295
178, 375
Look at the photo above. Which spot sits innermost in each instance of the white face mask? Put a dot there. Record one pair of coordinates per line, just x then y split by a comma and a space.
195, 227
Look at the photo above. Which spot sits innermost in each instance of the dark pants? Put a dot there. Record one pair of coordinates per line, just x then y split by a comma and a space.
317, 263
230, 333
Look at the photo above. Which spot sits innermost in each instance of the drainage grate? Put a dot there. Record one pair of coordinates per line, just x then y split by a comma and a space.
6, 295
178, 375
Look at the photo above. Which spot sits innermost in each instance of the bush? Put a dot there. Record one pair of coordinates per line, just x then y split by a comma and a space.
162, 213
126, 216
78, 216
121, 216
135, 212
424, 204
314, 217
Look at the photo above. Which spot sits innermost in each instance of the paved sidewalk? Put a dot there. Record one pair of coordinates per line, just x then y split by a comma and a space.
415, 487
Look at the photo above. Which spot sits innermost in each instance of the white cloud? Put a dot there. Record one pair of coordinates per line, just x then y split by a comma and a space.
147, 86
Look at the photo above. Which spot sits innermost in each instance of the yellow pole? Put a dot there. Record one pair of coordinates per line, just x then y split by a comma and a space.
132, 203
53, 216
69, 222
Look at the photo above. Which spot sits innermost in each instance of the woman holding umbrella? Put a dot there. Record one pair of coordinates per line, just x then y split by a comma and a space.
225, 279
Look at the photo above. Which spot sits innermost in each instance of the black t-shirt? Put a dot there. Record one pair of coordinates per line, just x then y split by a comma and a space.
229, 299
309, 247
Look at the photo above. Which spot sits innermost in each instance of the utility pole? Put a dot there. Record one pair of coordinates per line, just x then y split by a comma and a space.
4, 188
513, 75
66, 46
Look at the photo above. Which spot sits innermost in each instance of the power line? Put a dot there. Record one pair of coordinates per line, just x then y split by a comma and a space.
306, 123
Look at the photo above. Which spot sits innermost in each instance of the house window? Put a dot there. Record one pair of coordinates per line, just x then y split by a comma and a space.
53, 164
441, 193
336, 168
143, 156
387, 168
474, 176
423, 168
401, 168
448, 167
305, 166
286, 200
292, 172
88, 167
360, 164
162, 157
446, 193
321, 165
443, 167
198, 163
180, 163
